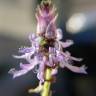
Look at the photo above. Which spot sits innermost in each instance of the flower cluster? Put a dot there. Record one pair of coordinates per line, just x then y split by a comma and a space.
46, 50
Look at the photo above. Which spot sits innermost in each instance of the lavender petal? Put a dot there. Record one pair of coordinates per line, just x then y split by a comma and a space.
66, 44
32, 37
81, 69
54, 71
26, 50
16, 73
59, 34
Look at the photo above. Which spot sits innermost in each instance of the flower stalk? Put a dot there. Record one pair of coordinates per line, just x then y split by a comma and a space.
46, 87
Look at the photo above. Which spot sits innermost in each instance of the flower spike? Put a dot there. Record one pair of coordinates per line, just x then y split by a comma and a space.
46, 51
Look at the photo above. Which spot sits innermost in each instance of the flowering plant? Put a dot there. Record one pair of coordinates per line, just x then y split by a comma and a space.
46, 50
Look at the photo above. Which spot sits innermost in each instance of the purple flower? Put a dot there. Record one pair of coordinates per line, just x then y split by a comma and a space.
46, 48
46, 17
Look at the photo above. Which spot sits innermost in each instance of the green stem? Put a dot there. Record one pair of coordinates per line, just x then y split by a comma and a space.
47, 83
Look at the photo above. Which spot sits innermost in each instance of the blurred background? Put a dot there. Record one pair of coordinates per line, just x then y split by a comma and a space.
77, 19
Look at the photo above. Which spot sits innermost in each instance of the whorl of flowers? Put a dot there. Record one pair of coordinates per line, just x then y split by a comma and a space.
46, 50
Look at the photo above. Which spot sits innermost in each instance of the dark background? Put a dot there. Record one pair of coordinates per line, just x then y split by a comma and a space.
14, 33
